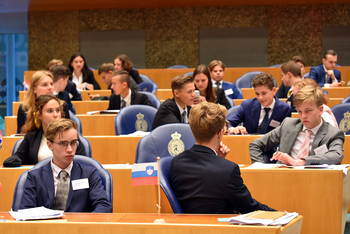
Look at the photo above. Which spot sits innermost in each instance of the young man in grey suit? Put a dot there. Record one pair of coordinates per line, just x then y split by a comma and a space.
308, 140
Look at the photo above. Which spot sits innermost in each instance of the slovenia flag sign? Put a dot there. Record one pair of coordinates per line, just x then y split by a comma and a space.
144, 174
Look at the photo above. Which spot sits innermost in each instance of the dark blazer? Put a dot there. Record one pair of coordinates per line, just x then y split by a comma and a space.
167, 113
290, 103
282, 91
90, 79
72, 89
221, 98
206, 183
64, 96
136, 98
249, 114
22, 117
136, 76
39, 190
236, 94
318, 74
287, 133
27, 152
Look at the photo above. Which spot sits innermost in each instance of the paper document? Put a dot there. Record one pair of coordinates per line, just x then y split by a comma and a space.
265, 220
36, 213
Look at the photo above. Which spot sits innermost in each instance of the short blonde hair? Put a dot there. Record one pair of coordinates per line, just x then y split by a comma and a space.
179, 82
215, 63
53, 62
292, 67
106, 67
308, 93
206, 120
307, 81
58, 126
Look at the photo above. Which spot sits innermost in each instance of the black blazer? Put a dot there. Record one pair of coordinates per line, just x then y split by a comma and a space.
136, 76
221, 98
136, 98
290, 102
167, 113
64, 96
90, 79
282, 91
72, 89
206, 183
27, 152
22, 117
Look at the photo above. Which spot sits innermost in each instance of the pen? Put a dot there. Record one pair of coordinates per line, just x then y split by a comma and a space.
277, 150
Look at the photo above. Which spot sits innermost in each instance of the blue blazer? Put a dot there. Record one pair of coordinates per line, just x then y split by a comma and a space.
318, 74
236, 94
39, 190
249, 113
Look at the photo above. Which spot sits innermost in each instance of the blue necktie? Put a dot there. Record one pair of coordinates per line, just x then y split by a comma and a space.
262, 127
218, 84
184, 117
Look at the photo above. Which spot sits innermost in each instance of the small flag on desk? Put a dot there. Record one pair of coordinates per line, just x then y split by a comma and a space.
144, 174
25, 84
1, 135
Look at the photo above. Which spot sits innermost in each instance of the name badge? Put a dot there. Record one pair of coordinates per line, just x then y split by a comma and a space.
80, 184
274, 123
289, 103
321, 150
228, 91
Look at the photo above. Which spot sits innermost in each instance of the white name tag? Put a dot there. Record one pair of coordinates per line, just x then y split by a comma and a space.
228, 91
80, 184
274, 123
289, 103
321, 150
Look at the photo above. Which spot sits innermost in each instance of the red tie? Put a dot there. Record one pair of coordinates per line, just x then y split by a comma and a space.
304, 149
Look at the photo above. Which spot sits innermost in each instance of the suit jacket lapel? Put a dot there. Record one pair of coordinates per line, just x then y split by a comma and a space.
133, 94
49, 182
321, 133
292, 134
75, 174
176, 111
33, 153
256, 108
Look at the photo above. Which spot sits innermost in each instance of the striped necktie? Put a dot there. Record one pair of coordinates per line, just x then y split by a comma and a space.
305, 146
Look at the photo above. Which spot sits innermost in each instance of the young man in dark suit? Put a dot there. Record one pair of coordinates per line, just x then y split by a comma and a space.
304, 141
260, 114
325, 74
62, 183
60, 78
177, 109
202, 179
123, 96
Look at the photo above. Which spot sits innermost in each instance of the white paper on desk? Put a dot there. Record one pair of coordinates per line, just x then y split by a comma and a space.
117, 166
258, 165
343, 167
36, 213
93, 112
240, 219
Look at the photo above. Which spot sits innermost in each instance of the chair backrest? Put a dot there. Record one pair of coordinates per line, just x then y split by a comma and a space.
306, 75
145, 78
86, 145
148, 86
134, 118
105, 176
346, 100
73, 109
165, 140
77, 121
232, 110
188, 74
153, 98
230, 100
164, 168
245, 81
342, 115
276, 65
178, 66
15, 147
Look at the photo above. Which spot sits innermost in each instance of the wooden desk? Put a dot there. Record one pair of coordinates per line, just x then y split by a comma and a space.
141, 223
82, 107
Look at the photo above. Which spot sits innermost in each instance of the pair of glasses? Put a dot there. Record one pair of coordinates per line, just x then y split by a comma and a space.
64, 144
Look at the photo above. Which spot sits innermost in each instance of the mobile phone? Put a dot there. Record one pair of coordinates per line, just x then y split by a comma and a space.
197, 93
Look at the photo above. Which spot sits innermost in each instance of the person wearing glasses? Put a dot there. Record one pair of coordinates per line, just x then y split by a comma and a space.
33, 148
62, 183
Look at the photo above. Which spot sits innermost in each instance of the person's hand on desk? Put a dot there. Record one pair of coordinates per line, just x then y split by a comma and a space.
238, 130
223, 150
93, 95
85, 85
286, 159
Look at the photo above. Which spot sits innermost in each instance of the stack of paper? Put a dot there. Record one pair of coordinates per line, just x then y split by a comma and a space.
36, 213
264, 218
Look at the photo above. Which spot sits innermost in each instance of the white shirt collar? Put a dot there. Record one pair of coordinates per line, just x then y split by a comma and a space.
127, 99
56, 169
214, 82
315, 129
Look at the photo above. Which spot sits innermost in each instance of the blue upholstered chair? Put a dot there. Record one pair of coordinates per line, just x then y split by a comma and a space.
276, 65
232, 110
178, 66
306, 75
134, 117
188, 74
164, 168
230, 100
83, 140
73, 109
342, 115
145, 78
165, 140
77, 121
346, 100
245, 81
148, 86
105, 175
153, 98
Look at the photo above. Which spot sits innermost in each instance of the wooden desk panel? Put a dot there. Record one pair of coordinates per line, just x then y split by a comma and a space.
82, 107
142, 223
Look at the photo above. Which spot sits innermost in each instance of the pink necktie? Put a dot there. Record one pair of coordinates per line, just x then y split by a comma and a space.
304, 149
